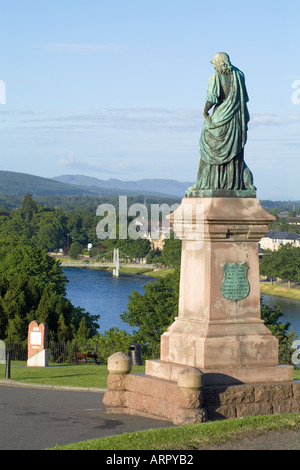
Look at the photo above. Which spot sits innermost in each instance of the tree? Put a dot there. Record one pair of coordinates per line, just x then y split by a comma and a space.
153, 311
75, 250
270, 316
29, 208
111, 341
50, 233
267, 264
32, 287
154, 256
82, 333
171, 252
283, 263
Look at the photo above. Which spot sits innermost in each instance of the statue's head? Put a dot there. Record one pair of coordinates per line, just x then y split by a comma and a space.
221, 62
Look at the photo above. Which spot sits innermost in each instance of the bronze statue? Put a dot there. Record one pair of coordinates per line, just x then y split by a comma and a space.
224, 132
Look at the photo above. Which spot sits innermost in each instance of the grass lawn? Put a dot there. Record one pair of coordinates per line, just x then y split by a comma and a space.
82, 375
280, 291
190, 437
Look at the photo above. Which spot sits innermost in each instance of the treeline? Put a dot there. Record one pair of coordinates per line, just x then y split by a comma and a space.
71, 231
32, 284
283, 263
281, 223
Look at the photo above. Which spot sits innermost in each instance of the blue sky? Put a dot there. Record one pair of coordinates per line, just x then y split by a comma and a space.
116, 88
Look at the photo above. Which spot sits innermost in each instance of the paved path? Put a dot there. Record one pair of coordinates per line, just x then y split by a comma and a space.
33, 418
271, 440
39, 418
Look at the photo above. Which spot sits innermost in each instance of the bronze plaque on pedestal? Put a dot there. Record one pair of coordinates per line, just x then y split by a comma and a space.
235, 285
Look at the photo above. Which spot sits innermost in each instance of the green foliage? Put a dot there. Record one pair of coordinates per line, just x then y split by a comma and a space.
32, 285
270, 316
171, 252
153, 311
29, 208
154, 256
283, 263
113, 340
75, 250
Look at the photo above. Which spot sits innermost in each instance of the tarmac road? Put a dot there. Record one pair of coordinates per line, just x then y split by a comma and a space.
37, 418
40, 418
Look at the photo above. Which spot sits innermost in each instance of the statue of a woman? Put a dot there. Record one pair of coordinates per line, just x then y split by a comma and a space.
224, 132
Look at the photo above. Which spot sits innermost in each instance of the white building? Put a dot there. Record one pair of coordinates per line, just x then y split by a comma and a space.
272, 240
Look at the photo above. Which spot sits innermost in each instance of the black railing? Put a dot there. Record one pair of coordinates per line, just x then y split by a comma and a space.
64, 353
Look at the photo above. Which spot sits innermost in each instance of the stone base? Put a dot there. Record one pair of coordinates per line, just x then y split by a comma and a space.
163, 399
239, 401
223, 376
154, 398
40, 359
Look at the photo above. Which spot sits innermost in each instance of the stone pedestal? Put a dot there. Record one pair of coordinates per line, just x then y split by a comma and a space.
219, 328
218, 359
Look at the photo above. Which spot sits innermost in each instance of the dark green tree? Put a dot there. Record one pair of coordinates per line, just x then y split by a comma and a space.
50, 231
75, 250
271, 316
153, 311
32, 287
29, 208
283, 263
171, 252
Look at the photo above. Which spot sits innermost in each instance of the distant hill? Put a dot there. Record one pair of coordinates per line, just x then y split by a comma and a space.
144, 186
14, 185
18, 184
21, 183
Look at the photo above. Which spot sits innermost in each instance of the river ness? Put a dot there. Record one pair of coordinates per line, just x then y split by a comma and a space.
100, 293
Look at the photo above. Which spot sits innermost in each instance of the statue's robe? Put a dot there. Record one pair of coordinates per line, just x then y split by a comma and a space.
224, 135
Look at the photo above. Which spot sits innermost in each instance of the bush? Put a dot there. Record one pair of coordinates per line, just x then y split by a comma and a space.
75, 250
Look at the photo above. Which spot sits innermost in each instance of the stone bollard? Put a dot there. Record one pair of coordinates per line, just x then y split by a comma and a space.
190, 382
119, 366
119, 363
190, 378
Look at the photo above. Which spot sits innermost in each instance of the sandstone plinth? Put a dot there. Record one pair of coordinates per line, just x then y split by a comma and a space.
219, 328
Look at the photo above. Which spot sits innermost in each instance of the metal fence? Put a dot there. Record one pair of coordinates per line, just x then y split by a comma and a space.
64, 353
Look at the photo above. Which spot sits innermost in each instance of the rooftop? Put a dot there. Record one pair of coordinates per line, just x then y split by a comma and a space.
282, 235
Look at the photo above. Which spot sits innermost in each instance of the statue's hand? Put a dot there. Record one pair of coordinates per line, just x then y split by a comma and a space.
206, 115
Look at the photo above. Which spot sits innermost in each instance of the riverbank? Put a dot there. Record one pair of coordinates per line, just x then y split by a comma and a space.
151, 270
128, 268
279, 291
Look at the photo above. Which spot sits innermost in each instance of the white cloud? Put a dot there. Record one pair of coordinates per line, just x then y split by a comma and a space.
155, 119
150, 119
67, 160
71, 163
271, 119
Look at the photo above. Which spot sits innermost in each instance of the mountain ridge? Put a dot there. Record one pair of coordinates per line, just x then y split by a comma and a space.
159, 186
17, 183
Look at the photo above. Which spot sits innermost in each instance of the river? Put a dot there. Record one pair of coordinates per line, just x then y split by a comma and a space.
289, 307
100, 293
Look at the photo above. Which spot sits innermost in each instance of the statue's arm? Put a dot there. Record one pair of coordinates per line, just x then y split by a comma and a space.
207, 107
